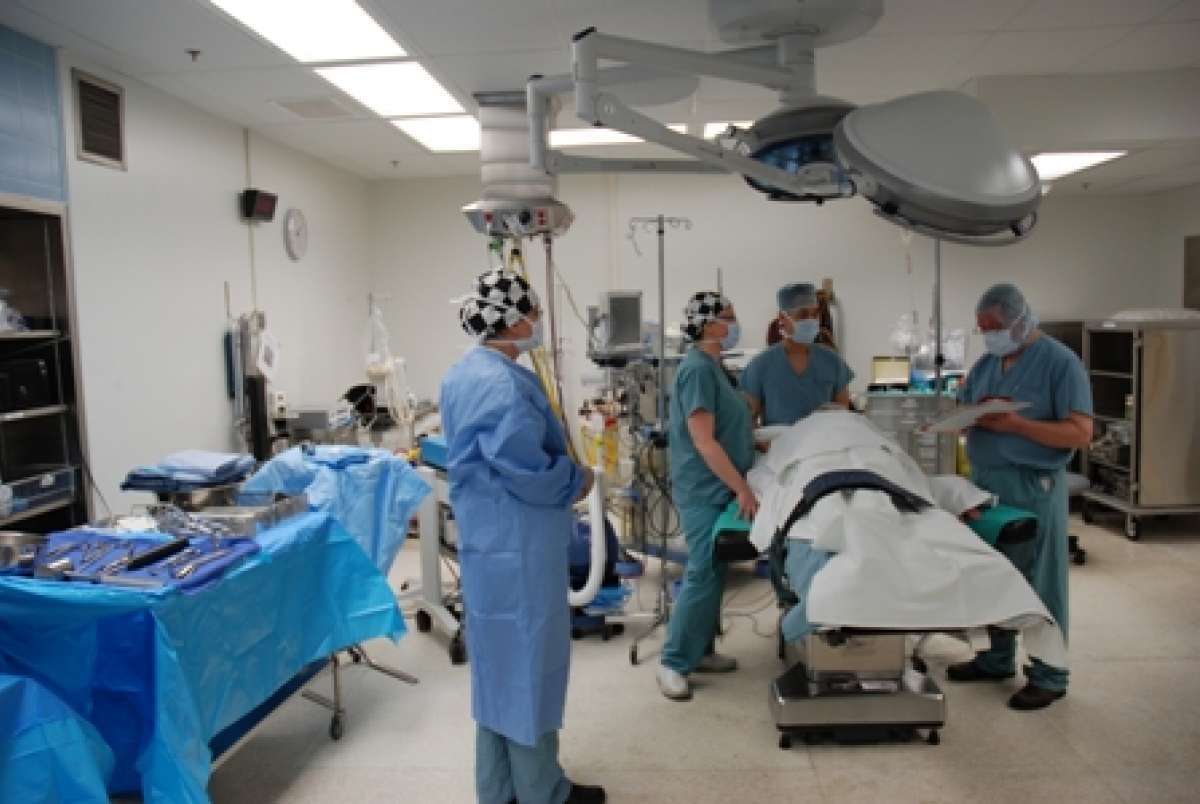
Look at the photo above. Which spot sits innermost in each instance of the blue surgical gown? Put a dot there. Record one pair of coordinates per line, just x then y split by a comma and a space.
512, 486
787, 397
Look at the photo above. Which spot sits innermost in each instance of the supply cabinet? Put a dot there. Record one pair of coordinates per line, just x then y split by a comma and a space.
1144, 459
41, 457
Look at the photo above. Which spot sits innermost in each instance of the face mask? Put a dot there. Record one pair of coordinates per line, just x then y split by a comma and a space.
805, 330
533, 341
1000, 342
732, 336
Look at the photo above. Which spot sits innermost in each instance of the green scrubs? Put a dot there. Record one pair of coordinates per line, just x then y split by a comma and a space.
700, 497
1027, 475
787, 397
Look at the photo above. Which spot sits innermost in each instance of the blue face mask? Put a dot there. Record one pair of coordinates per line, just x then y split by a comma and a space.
1000, 342
805, 330
732, 337
534, 341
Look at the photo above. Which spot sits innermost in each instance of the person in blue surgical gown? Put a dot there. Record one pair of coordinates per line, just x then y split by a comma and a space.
512, 489
712, 448
797, 375
1021, 457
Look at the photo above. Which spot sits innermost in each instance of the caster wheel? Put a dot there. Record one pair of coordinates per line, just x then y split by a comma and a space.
1133, 529
1080, 558
336, 728
355, 656
458, 652
605, 634
919, 665
616, 629
1085, 513
785, 742
935, 738
633, 657
424, 622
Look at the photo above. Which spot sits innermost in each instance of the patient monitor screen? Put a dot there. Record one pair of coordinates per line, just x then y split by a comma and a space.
624, 321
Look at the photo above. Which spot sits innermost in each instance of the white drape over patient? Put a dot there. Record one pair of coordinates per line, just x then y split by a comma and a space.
890, 569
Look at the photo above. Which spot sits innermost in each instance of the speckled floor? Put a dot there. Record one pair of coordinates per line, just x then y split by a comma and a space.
1129, 731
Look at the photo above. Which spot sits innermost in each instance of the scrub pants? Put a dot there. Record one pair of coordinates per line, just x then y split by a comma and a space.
506, 771
1043, 561
695, 619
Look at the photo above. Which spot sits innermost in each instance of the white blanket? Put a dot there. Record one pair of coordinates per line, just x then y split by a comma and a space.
891, 570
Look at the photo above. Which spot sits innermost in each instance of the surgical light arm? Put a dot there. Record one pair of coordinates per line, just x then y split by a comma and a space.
604, 109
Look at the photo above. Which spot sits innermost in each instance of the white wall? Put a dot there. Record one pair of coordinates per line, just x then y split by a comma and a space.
1089, 257
1179, 217
152, 247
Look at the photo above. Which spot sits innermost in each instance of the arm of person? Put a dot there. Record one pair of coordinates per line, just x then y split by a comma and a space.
701, 426
842, 398
1074, 432
512, 445
756, 407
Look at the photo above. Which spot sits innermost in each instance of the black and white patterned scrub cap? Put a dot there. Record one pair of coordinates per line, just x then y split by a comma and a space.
703, 307
500, 299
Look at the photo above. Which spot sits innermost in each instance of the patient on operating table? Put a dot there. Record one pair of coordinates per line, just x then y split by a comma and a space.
864, 557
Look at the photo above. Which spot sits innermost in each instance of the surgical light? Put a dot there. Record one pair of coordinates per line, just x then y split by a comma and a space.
393, 89
315, 30
1055, 165
443, 134
799, 141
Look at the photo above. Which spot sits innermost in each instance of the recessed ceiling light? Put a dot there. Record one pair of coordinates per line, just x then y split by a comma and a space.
397, 89
1056, 164
443, 134
580, 137
712, 130
315, 30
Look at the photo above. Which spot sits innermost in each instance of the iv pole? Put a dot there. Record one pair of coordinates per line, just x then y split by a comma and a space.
658, 224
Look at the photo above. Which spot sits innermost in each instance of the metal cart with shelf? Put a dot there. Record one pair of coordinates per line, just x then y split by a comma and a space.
1145, 392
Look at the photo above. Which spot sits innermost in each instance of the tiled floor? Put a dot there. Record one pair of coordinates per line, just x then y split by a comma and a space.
1129, 731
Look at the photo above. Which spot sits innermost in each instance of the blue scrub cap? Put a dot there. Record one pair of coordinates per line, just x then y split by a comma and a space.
1009, 303
796, 296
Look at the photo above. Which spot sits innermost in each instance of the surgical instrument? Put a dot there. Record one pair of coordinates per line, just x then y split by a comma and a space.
190, 568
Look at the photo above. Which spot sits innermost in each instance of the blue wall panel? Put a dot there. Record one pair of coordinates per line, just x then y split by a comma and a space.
31, 152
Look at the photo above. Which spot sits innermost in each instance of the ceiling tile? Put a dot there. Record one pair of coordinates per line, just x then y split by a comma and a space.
877, 68
669, 21
945, 16
1151, 47
437, 27
1039, 52
157, 35
500, 71
1183, 10
1053, 14
253, 90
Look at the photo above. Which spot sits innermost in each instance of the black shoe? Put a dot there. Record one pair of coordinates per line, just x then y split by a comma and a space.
971, 671
1030, 698
585, 794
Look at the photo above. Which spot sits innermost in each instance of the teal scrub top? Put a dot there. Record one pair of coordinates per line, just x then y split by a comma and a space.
1051, 379
787, 397
701, 384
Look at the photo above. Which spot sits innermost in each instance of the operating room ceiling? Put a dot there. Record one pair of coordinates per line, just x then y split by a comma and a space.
473, 46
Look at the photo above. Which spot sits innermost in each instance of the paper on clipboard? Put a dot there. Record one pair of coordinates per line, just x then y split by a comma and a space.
965, 416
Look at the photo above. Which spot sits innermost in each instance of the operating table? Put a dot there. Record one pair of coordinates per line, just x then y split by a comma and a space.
849, 684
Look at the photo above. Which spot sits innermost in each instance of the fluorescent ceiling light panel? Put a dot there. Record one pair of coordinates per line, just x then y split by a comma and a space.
580, 137
402, 89
315, 30
1054, 165
443, 134
716, 129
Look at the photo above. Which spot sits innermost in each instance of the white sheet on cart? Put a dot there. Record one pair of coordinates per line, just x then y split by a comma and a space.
891, 570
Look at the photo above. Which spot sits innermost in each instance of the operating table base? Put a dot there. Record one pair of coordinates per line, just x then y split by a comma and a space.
853, 717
